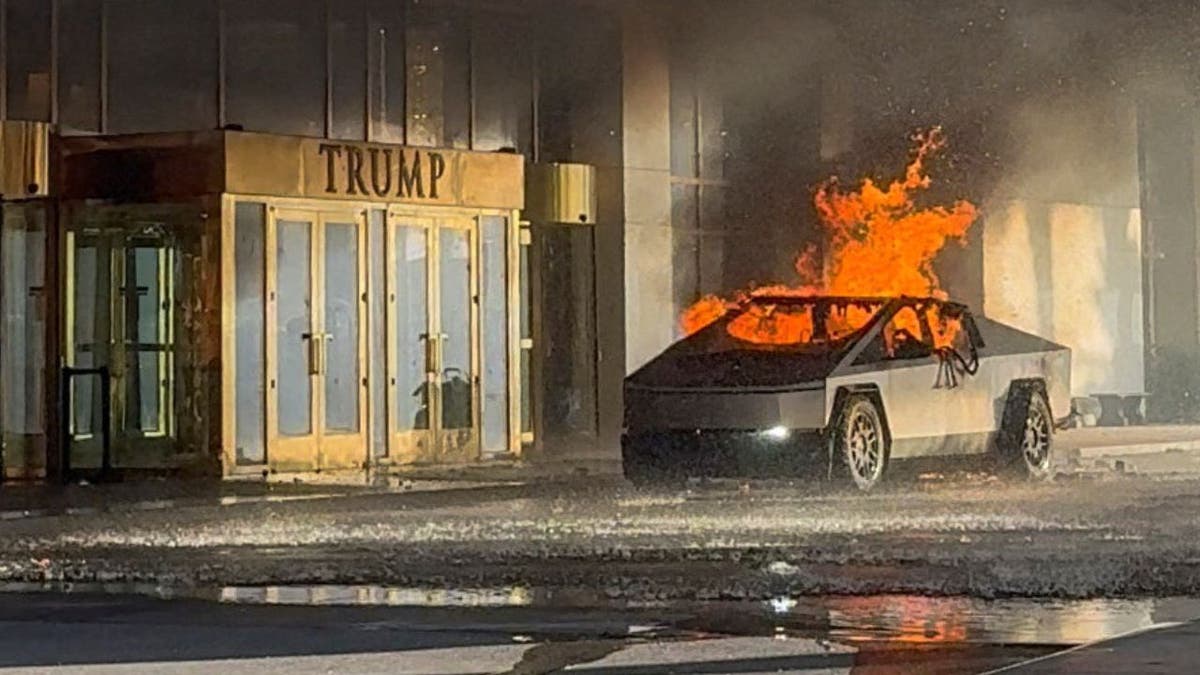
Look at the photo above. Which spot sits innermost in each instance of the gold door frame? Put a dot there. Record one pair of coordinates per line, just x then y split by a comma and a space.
318, 449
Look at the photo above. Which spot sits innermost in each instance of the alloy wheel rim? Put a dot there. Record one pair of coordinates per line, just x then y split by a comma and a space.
1035, 445
865, 450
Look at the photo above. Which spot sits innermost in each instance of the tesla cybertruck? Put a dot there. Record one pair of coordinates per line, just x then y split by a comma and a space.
844, 388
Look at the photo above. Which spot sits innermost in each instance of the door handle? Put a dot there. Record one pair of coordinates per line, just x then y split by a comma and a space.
313, 342
430, 353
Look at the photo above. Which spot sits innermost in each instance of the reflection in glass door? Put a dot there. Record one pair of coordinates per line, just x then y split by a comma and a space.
410, 348
455, 353
433, 338
317, 351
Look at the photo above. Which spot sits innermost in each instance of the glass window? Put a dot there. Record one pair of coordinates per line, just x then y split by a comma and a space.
79, 67
275, 65
904, 337
712, 264
494, 288
454, 277
341, 330
712, 136
503, 90
27, 51
162, 65
683, 126
90, 286
712, 208
438, 85
249, 323
685, 261
294, 326
348, 49
410, 308
23, 352
685, 206
147, 305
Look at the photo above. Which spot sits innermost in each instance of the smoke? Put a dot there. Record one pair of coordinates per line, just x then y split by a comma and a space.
1028, 92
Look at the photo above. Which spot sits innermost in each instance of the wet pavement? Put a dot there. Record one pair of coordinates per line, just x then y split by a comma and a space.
939, 573
94, 633
965, 535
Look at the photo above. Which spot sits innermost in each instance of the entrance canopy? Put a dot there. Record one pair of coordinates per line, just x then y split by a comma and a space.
155, 167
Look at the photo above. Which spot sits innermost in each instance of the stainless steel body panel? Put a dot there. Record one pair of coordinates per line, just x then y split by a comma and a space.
683, 409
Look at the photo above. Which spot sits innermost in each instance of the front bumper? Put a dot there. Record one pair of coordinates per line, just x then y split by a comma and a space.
722, 454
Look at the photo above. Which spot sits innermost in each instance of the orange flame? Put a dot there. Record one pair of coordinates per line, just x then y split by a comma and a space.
877, 243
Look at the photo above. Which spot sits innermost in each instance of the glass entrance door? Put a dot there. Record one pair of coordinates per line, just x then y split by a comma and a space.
120, 316
433, 331
315, 358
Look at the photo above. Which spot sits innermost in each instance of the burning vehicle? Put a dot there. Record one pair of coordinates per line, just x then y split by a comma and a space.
780, 384
865, 362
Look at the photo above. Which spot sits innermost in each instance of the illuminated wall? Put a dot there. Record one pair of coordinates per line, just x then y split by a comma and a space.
1062, 236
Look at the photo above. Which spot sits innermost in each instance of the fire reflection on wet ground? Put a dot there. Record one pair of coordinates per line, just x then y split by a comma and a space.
906, 619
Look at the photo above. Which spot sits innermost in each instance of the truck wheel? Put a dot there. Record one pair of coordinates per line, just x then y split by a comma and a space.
1026, 436
859, 442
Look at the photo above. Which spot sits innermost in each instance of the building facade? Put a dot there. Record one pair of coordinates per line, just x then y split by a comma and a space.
292, 236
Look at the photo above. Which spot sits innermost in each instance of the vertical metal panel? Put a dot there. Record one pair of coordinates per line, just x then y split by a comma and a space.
471, 81
328, 68
3, 59
102, 66
54, 62
366, 26
221, 119
535, 132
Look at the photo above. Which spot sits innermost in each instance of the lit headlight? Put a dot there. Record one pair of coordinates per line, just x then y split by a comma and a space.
777, 433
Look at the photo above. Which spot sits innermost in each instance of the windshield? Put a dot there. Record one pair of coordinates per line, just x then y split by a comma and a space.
800, 321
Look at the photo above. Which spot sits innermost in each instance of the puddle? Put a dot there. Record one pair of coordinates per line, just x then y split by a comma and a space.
930, 621
915, 619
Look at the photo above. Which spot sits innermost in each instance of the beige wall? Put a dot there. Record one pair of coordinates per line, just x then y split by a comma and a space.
650, 316
1062, 237
1071, 273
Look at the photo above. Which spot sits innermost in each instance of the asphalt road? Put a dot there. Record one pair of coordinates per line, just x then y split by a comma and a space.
592, 540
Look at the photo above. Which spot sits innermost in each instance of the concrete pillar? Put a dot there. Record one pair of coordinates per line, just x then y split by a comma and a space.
650, 316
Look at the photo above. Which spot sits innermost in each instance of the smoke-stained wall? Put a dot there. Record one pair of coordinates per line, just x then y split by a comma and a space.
1062, 235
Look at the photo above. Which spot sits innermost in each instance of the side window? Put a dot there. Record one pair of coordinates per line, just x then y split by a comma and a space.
904, 338
901, 338
949, 329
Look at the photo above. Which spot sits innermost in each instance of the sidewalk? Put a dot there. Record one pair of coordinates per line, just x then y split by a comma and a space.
1170, 649
1145, 449
27, 500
